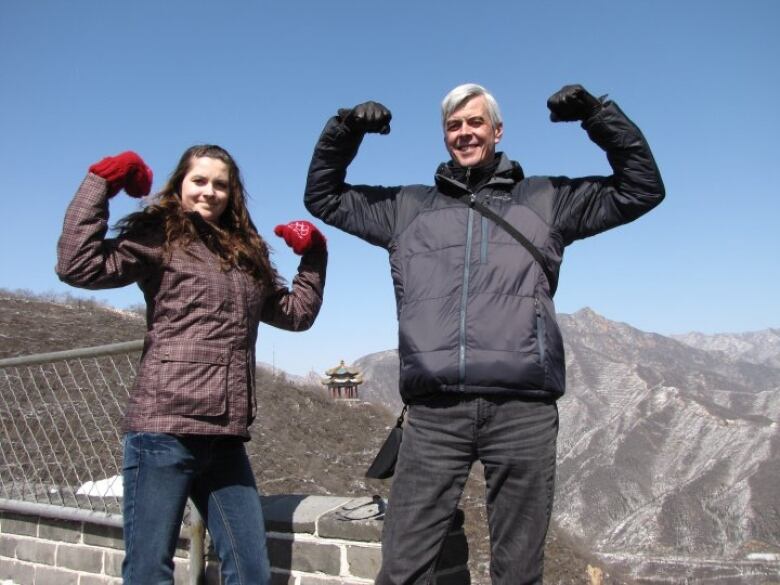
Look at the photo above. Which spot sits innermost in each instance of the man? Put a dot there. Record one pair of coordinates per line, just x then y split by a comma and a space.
481, 354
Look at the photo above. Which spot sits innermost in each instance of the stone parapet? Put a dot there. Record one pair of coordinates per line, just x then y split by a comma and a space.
312, 540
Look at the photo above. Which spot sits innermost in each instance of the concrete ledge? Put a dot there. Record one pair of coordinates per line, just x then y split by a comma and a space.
357, 519
297, 513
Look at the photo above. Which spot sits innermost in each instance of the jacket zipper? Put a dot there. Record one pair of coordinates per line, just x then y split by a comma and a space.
464, 293
484, 242
541, 331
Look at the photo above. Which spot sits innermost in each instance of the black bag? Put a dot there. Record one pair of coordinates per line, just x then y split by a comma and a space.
383, 465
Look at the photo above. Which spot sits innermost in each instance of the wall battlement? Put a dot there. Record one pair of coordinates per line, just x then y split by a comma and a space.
312, 540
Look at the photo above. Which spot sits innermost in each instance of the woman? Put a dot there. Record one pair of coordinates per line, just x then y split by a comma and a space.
208, 281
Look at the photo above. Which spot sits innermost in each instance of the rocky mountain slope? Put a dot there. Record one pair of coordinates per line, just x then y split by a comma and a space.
667, 450
759, 347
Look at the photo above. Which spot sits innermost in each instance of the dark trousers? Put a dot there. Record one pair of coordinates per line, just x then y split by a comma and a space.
515, 441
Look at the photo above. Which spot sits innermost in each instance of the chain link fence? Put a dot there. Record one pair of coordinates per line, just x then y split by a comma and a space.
60, 435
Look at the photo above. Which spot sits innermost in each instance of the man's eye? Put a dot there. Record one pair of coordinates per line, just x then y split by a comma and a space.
452, 126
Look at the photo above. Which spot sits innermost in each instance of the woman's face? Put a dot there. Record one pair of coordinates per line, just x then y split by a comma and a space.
204, 188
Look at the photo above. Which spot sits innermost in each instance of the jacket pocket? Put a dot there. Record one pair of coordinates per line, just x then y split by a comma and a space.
541, 333
551, 350
192, 378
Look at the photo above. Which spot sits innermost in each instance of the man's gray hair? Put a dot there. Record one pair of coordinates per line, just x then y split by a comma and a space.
461, 94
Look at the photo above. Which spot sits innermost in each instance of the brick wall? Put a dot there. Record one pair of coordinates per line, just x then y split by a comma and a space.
312, 540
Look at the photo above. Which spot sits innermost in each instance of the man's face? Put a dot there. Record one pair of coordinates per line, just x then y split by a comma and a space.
469, 133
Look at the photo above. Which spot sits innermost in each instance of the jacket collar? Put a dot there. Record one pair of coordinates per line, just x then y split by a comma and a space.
507, 173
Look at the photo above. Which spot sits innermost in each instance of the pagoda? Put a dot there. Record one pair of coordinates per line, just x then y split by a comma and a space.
343, 381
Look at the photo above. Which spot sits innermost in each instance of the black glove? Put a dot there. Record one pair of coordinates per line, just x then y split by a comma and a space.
572, 102
367, 117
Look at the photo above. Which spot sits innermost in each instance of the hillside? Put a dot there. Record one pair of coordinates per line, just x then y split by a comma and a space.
303, 442
36, 324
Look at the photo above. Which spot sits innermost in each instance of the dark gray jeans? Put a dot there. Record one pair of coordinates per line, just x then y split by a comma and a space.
515, 441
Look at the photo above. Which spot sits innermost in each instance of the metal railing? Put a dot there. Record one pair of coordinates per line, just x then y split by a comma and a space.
60, 434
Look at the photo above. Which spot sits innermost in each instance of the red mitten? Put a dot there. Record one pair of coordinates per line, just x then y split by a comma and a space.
301, 236
125, 171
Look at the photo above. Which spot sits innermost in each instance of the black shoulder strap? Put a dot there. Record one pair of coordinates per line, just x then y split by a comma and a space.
471, 201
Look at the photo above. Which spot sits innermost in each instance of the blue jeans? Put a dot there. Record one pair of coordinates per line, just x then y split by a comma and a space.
515, 441
160, 472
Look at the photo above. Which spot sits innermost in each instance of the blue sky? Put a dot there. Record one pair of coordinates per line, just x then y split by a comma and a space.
82, 80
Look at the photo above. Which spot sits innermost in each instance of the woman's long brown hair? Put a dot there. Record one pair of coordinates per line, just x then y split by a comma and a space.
234, 239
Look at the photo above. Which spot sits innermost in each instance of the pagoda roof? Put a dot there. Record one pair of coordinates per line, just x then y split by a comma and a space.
343, 370
342, 375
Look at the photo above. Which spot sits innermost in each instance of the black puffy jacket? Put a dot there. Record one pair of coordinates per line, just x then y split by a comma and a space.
475, 310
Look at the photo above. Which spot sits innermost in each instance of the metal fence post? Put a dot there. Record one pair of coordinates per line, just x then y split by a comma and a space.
197, 552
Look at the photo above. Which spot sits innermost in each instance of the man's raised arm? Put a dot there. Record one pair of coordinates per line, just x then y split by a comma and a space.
590, 205
365, 211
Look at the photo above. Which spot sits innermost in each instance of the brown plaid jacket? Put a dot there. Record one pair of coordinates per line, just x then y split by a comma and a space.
198, 363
